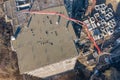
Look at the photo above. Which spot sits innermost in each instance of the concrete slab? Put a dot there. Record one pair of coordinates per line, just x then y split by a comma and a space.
44, 42
54, 69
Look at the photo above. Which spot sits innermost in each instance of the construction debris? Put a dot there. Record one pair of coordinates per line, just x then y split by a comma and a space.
98, 34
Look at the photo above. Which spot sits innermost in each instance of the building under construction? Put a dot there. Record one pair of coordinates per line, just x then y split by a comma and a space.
59, 40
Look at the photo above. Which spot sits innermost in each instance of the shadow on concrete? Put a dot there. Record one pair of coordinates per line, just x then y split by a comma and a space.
118, 10
118, 14
76, 9
100, 1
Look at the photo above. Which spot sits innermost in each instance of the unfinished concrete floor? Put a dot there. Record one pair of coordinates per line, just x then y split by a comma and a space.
44, 42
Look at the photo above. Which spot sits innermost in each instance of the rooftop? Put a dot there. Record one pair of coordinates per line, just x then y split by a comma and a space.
45, 42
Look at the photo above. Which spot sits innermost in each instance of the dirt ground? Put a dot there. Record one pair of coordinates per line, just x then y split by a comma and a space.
9, 69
